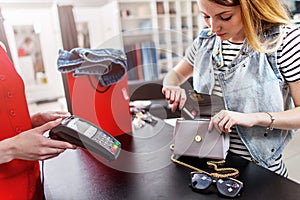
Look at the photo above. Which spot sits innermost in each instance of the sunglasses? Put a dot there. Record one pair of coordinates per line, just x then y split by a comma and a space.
228, 187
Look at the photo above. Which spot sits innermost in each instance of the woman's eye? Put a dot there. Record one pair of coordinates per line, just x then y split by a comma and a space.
205, 16
226, 18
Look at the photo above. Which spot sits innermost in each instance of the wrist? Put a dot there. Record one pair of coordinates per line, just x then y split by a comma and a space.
171, 79
6, 150
262, 119
35, 119
271, 124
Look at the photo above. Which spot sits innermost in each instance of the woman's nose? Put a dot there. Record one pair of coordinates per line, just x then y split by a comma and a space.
214, 25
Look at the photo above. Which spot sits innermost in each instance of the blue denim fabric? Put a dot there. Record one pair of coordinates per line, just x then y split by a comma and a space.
252, 83
109, 65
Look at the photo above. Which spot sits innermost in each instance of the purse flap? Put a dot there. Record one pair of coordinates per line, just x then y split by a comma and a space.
192, 138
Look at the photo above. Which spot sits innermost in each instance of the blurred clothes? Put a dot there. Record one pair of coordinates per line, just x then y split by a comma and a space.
108, 65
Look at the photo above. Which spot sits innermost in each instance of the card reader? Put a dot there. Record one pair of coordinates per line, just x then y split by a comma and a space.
87, 135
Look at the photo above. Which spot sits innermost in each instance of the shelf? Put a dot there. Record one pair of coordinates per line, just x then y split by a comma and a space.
138, 32
132, 18
170, 25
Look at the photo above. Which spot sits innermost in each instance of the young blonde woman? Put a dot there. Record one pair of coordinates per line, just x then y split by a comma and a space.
250, 56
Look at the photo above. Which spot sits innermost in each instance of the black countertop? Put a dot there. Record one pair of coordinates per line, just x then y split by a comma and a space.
144, 171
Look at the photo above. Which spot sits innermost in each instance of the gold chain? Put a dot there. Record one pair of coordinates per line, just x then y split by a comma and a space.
234, 172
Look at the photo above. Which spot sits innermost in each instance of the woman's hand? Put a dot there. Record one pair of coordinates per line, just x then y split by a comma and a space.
225, 120
175, 95
41, 118
32, 145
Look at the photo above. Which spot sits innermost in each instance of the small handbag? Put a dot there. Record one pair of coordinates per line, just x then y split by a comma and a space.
192, 138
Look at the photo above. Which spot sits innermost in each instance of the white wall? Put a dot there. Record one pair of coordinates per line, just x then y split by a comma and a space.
46, 19
104, 24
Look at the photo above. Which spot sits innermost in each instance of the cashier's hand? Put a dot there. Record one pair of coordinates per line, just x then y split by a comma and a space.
175, 96
41, 118
225, 120
33, 145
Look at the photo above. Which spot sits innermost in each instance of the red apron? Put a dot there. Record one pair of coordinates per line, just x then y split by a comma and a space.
19, 179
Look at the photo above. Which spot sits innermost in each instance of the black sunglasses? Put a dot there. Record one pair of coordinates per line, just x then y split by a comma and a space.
228, 187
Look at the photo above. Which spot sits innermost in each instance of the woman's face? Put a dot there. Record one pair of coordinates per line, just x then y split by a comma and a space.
225, 21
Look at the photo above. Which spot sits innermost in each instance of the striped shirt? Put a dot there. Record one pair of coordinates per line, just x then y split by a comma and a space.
288, 60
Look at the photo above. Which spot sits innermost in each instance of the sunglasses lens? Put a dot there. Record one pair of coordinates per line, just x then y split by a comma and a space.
201, 181
228, 187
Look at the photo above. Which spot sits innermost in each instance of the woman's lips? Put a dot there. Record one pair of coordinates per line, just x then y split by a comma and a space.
220, 34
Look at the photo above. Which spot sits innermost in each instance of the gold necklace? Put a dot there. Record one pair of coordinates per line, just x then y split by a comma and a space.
220, 172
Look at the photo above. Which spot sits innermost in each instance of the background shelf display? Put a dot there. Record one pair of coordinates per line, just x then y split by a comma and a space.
157, 31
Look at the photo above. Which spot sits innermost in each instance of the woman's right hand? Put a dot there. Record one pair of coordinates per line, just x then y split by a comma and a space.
175, 95
172, 81
33, 145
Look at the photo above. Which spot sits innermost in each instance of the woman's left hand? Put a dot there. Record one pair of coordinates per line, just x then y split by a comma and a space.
225, 120
41, 118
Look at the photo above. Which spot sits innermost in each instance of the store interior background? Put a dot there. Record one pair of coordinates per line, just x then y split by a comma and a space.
99, 26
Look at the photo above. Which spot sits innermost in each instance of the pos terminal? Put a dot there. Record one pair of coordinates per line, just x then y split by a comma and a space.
84, 134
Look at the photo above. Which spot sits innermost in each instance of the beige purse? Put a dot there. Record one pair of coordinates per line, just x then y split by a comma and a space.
192, 138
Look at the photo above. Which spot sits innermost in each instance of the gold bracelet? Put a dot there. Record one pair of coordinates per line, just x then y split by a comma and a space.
270, 127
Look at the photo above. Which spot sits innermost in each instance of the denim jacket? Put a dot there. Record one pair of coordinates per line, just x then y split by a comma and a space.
253, 83
109, 65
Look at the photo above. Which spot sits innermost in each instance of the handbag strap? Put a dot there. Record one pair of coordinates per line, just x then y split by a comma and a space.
220, 172
96, 87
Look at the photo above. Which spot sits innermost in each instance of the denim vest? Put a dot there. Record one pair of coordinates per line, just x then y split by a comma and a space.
109, 65
253, 83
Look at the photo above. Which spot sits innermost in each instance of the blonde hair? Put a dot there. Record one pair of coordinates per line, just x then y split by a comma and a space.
258, 17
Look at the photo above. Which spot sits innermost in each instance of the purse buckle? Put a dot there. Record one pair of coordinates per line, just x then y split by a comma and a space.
198, 138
